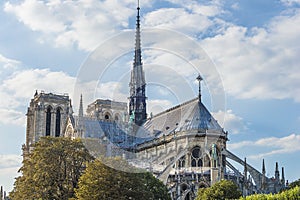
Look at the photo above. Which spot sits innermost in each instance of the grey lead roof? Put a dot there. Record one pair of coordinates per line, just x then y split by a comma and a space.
191, 115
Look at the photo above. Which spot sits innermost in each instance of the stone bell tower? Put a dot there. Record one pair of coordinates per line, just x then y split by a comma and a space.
46, 116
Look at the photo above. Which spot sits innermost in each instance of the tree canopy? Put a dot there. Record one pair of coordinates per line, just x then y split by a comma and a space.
293, 193
223, 189
51, 170
102, 182
294, 184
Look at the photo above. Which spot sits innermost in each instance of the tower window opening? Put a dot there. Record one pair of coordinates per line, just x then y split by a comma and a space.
57, 123
48, 121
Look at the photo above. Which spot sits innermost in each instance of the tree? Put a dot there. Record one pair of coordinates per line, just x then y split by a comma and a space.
51, 170
223, 189
102, 182
293, 193
294, 184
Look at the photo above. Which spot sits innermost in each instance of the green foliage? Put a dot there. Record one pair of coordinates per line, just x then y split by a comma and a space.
291, 194
223, 189
102, 182
294, 184
51, 170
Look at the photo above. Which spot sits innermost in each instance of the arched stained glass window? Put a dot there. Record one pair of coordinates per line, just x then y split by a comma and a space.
196, 160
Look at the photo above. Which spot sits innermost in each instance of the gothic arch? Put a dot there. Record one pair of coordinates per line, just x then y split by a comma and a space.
49, 111
107, 115
117, 117
203, 184
58, 121
196, 157
48, 106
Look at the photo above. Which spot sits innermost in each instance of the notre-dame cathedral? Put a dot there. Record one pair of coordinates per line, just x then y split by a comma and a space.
183, 146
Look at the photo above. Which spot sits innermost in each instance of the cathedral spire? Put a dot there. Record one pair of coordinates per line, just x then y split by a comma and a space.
138, 52
80, 123
277, 172
137, 99
282, 176
263, 180
80, 113
263, 167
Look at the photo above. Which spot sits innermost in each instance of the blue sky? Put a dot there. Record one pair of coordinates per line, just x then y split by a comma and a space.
252, 45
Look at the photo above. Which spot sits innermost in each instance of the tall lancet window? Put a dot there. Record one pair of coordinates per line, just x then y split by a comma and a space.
48, 120
57, 123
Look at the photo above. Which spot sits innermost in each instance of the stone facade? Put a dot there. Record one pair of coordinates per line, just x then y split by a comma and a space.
191, 159
46, 116
106, 109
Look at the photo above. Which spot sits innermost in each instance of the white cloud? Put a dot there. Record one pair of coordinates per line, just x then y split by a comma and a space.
209, 8
9, 166
18, 88
37, 15
156, 106
7, 63
235, 6
168, 63
11, 160
290, 2
239, 145
7, 176
265, 61
111, 90
11, 116
231, 122
85, 24
177, 19
273, 145
22, 84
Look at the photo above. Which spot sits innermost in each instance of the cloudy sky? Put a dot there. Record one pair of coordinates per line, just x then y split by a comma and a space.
246, 51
